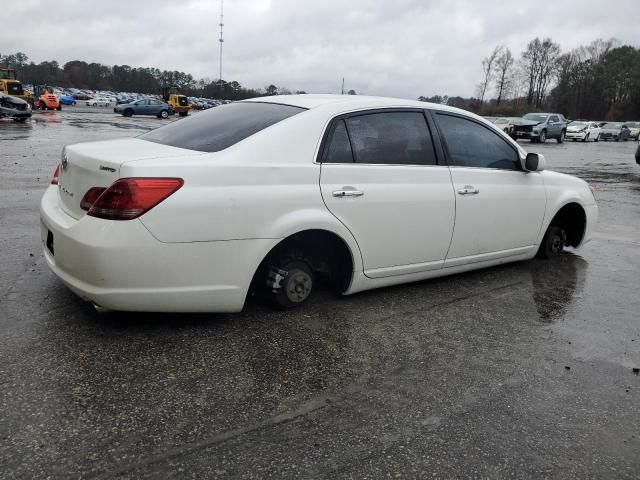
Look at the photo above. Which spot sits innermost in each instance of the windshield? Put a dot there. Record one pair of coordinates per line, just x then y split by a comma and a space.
221, 127
535, 117
578, 124
612, 125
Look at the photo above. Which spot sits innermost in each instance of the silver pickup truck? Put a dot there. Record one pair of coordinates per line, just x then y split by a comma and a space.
538, 127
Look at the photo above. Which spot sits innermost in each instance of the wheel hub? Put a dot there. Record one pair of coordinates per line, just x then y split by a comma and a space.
299, 286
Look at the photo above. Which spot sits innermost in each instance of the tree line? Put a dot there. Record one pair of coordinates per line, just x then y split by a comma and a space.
599, 81
596, 81
124, 78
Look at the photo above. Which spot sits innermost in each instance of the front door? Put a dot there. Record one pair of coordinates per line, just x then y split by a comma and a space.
499, 207
380, 177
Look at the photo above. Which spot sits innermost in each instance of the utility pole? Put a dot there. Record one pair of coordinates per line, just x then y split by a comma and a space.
342, 90
221, 40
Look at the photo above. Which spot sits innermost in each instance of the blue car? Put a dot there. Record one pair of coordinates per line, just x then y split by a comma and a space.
67, 100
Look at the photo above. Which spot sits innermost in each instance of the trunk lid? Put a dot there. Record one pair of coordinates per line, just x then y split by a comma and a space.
97, 164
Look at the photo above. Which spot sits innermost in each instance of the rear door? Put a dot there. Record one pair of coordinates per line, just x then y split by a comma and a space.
500, 207
381, 177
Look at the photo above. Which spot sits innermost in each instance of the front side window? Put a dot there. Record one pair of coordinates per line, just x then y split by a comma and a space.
219, 128
554, 119
399, 138
472, 145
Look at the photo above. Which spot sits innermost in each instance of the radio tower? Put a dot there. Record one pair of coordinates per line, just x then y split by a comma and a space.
221, 40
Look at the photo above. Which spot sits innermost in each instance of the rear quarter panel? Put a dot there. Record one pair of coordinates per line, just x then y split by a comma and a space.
265, 187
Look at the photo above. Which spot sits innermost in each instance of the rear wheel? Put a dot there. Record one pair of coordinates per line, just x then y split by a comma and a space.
292, 282
183, 114
553, 242
59, 107
42, 105
163, 114
560, 139
597, 139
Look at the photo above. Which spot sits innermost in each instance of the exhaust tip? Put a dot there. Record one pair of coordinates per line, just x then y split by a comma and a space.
100, 309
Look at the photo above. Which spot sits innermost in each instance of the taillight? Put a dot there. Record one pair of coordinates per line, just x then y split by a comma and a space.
90, 197
128, 198
56, 175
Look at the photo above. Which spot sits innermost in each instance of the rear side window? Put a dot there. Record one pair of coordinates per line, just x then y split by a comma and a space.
219, 128
339, 147
472, 145
397, 138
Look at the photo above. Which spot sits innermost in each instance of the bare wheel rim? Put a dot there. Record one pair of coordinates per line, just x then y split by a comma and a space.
299, 286
556, 244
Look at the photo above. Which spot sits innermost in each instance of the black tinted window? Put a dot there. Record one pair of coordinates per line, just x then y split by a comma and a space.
391, 138
472, 145
221, 127
338, 148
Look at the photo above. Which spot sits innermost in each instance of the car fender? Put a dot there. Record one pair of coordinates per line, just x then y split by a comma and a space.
562, 190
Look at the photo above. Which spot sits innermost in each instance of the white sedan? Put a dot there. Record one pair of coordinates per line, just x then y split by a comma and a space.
99, 102
583, 131
283, 194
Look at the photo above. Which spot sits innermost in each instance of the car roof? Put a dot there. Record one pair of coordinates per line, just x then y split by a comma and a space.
347, 102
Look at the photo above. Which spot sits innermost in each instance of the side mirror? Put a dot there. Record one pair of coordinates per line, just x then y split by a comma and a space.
535, 162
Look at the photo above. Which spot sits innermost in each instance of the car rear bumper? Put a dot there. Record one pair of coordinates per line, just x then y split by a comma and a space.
119, 265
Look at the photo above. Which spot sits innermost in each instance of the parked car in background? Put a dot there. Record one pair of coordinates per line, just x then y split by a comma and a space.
538, 127
615, 131
634, 130
504, 124
145, 106
194, 215
583, 131
99, 102
67, 99
14, 107
81, 96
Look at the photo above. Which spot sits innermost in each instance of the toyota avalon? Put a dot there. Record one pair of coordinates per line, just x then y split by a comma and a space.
283, 194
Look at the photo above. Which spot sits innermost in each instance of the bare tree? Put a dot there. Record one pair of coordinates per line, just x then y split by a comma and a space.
488, 65
539, 61
503, 69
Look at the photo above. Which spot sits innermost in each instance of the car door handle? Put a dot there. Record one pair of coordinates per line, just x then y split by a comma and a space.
468, 190
347, 193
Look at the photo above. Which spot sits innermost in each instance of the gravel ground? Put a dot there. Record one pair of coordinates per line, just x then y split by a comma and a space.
525, 370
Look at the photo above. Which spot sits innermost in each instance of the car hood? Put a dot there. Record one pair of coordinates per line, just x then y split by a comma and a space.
14, 101
521, 122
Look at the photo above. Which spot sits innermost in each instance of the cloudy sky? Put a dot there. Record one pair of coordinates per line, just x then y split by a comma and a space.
402, 48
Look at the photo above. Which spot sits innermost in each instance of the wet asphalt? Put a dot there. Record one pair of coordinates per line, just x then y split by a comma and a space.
524, 370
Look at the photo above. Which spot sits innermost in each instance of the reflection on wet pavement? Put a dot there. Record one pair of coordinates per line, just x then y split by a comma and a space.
556, 283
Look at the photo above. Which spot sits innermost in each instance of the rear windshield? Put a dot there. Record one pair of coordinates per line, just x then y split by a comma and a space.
221, 127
